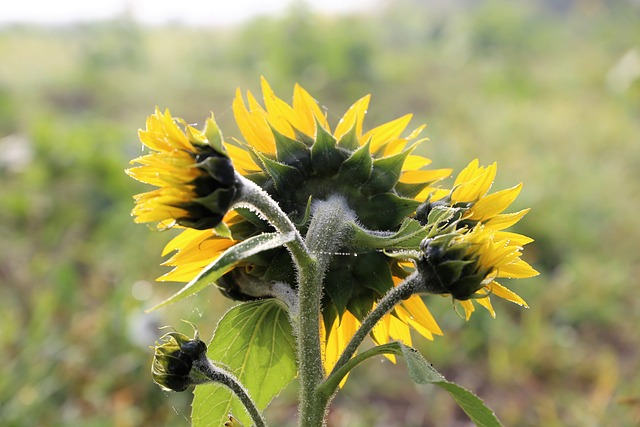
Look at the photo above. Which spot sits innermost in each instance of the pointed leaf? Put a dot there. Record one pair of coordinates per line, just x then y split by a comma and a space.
356, 170
349, 140
291, 151
284, 176
325, 156
386, 211
422, 372
386, 172
255, 341
409, 236
226, 262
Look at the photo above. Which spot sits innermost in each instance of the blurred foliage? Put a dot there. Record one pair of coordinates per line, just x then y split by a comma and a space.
551, 90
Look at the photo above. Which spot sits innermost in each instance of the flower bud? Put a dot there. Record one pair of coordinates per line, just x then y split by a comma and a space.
173, 361
194, 173
448, 265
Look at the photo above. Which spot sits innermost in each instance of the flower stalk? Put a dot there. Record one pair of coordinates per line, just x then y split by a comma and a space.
215, 374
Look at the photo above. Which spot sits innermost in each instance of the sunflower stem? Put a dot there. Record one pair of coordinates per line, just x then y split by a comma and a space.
403, 291
306, 322
330, 227
215, 374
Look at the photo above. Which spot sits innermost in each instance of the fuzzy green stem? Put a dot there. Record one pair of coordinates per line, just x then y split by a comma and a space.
255, 198
215, 374
329, 227
385, 305
307, 321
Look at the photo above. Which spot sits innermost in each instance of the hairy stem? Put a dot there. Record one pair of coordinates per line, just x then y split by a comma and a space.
394, 296
215, 374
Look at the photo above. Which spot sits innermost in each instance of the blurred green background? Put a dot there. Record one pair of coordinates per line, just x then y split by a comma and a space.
550, 90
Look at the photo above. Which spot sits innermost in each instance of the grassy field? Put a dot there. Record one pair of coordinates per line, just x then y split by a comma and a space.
551, 94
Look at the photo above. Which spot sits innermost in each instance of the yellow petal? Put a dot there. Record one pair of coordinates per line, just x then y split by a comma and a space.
399, 330
486, 303
353, 117
281, 116
424, 176
498, 290
304, 104
502, 221
253, 124
473, 182
418, 310
387, 132
468, 308
415, 162
185, 237
517, 270
242, 160
493, 204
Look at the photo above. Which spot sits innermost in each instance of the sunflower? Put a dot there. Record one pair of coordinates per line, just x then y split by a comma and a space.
192, 170
465, 261
292, 153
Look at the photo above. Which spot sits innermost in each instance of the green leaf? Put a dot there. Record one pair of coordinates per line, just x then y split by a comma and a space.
409, 236
386, 172
325, 156
226, 262
291, 151
255, 341
385, 211
285, 177
422, 372
357, 168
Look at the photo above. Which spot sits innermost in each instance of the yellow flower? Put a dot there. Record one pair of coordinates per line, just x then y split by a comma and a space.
478, 250
291, 152
192, 170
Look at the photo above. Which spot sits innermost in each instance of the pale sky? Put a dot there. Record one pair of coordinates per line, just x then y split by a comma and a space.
197, 12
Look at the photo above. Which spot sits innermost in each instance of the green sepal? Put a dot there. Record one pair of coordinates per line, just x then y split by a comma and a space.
362, 303
386, 172
325, 157
408, 236
226, 262
349, 140
356, 170
385, 211
223, 230
284, 177
307, 214
214, 135
217, 202
329, 316
441, 214
303, 137
373, 272
339, 285
291, 151
450, 271
410, 190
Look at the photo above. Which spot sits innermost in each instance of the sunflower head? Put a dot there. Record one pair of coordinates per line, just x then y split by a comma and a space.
297, 157
449, 264
173, 360
192, 169
467, 247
